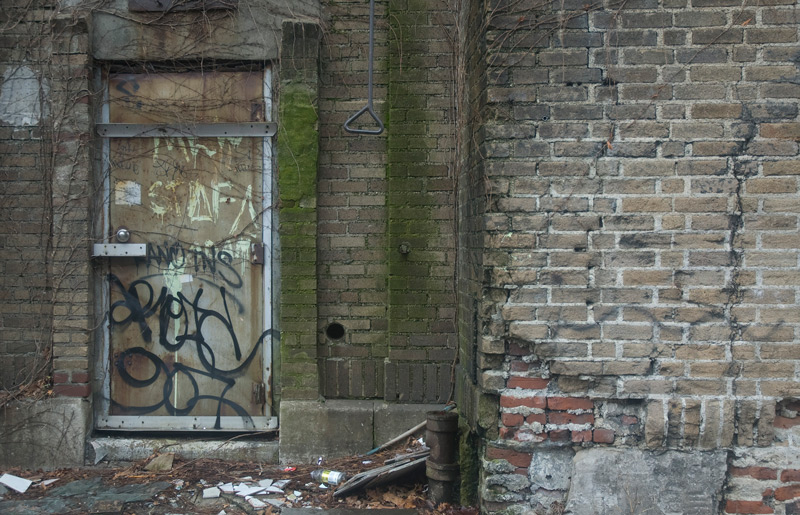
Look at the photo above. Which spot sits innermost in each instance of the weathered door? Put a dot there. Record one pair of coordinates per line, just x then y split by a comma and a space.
188, 321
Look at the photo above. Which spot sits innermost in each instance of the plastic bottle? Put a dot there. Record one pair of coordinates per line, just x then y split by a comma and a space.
332, 477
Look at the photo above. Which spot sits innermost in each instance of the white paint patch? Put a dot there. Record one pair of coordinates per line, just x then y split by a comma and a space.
127, 193
21, 97
187, 278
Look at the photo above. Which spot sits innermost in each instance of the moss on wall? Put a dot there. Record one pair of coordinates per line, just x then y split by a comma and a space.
298, 154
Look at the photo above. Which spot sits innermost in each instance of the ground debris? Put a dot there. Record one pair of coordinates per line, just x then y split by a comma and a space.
182, 488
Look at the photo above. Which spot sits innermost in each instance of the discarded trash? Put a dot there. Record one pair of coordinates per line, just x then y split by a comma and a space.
255, 503
290, 469
266, 483
227, 488
332, 477
319, 461
281, 484
366, 462
15, 483
48, 482
211, 493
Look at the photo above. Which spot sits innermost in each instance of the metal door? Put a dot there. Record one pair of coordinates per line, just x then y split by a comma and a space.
188, 196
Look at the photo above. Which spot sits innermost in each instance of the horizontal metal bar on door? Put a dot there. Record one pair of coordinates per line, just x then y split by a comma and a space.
200, 130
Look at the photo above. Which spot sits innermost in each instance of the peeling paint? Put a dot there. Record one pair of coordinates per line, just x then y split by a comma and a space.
20, 97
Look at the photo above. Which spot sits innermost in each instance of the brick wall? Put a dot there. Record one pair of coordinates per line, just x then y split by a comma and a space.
377, 193
641, 218
46, 194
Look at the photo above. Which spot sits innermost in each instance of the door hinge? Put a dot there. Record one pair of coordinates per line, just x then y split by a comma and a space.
259, 394
257, 253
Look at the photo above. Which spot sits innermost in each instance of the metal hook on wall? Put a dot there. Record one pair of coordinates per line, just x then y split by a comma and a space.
367, 108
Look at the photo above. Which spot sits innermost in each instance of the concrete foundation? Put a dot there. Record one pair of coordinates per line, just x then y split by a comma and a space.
635, 481
310, 429
44, 434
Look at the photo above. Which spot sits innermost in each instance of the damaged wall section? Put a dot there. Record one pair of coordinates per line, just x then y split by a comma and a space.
640, 262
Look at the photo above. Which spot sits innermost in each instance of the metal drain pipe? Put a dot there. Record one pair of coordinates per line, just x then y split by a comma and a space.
441, 436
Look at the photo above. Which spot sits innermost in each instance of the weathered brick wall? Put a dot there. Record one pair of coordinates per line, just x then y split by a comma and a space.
298, 154
44, 125
641, 230
377, 193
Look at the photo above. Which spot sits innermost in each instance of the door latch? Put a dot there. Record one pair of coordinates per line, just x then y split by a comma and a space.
257, 253
259, 394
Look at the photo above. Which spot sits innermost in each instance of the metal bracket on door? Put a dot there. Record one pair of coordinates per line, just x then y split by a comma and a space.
119, 250
257, 253
177, 130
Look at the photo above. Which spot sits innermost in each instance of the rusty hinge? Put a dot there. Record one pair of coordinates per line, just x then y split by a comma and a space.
257, 253
259, 393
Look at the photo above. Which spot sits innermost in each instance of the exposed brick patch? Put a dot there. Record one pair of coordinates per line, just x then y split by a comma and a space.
785, 493
755, 507
792, 475
518, 459
507, 401
569, 403
72, 390
528, 383
755, 472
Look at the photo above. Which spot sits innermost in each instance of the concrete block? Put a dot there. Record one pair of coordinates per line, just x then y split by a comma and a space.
331, 429
119, 449
47, 433
392, 420
634, 481
551, 469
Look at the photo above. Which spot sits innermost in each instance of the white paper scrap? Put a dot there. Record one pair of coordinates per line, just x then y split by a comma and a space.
255, 503
265, 483
252, 490
274, 490
48, 482
211, 493
282, 483
15, 483
227, 488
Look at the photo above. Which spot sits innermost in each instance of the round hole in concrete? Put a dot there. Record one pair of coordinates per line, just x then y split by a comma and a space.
335, 331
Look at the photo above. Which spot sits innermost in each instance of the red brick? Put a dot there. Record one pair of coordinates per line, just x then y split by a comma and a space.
536, 417
756, 472
507, 401
568, 403
785, 493
569, 418
559, 435
519, 366
518, 459
581, 436
80, 377
756, 507
517, 350
60, 377
508, 433
528, 383
72, 390
603, 436
629, 420
790, 475
512, 419
786, 423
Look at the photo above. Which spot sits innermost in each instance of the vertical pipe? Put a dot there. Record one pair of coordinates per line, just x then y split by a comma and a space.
442, 465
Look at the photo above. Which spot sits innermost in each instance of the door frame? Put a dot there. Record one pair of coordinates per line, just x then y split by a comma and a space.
102, 378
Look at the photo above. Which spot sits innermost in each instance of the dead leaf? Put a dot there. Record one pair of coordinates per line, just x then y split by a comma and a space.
747, 22
161, 463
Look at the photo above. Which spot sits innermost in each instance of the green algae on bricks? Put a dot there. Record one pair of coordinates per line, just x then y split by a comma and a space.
298, 146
